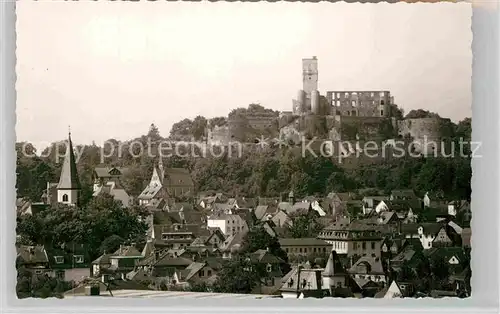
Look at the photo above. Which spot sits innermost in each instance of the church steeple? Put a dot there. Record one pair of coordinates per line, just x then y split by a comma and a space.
69, 184
161, 169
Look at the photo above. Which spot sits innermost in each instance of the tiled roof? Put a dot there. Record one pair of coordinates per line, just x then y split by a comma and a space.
285, 206
31, 254
375, 265
192, 270
301, 242
260, 211
263, 256
403, 193
333, 266
104, 171
178, 177
126, 251
148, 248
344, 197
308, 280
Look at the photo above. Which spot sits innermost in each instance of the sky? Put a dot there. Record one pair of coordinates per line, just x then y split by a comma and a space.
110, 69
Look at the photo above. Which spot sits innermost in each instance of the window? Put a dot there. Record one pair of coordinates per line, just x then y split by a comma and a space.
209, 273
373, 245
381, 112
65, 198
300, 250
202, 273
78, 259
60, 275
269, 268
363, 245
59, 259
339, 284
38, 272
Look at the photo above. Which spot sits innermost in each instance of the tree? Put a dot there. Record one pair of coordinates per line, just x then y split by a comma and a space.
237, 276
258, 239
102, 218
111, 244
304, 226
39, 286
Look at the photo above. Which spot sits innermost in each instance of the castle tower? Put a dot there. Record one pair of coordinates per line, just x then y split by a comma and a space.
310, 75
68, 189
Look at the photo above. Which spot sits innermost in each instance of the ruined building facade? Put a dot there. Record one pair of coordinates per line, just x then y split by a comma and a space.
337, 103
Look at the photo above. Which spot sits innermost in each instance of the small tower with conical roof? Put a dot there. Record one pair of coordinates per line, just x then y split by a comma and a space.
68, 189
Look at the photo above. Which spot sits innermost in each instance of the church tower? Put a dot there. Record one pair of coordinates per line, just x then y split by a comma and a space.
309, 75
68, 189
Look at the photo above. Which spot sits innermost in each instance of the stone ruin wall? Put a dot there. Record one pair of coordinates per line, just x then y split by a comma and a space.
421, 130
218, 135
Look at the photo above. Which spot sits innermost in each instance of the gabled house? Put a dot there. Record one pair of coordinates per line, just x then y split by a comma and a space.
33, 259
154, 190
376, 203
102, 265
335, 204
335, 277
228, 224
175, 236
124, 259
115, 189
202, 272
403, 195
70, 262
232, 245
398, 290
103, 174
281, 220
432, 234
164, 265
262, 212
368, 268
302, 208
300, 283
454, 257
207, 201
271, 264
178, 182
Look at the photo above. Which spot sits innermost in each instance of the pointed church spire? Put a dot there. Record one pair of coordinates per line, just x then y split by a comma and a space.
69, 176
160, 167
